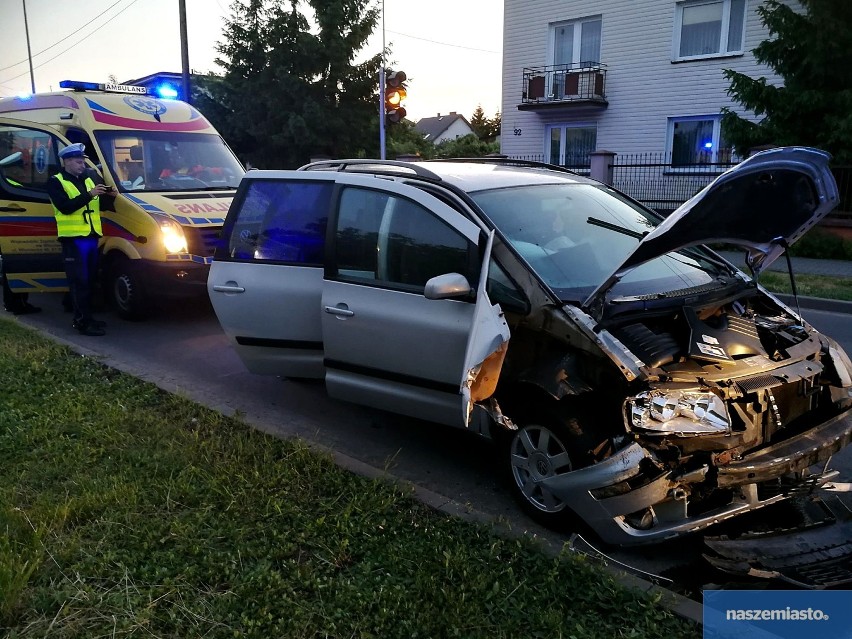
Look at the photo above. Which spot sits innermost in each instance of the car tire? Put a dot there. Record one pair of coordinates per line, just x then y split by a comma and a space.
543, 446
126, 291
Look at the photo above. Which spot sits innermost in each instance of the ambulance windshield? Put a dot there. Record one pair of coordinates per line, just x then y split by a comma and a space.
169, 161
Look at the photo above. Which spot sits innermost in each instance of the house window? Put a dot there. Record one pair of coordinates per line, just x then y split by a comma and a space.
709, 27
571, 144
577, 43
697, 140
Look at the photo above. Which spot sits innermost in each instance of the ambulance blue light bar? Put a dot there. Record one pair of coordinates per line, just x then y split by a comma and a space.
166, 91
110, 87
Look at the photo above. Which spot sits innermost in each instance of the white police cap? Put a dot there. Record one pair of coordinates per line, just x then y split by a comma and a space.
73, 151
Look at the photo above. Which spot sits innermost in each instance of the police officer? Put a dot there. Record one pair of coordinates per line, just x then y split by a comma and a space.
76, 205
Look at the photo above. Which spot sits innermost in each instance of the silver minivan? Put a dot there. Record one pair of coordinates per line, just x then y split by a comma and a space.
629, 374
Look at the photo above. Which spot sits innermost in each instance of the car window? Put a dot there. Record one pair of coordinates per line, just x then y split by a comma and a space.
37, 161
382, 238
503, 291
281, 221
574, 235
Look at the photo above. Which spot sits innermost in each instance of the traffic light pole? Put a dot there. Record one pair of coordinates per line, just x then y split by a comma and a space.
381, 91
382, 109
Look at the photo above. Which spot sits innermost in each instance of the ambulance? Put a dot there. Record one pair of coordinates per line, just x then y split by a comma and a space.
174, 178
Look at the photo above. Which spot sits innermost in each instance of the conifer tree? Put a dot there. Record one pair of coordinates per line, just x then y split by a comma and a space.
812, 51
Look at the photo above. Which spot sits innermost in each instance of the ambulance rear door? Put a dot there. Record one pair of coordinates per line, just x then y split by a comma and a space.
31, 253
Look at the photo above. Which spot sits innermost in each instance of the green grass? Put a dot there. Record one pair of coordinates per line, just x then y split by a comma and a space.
126, 511
834, 288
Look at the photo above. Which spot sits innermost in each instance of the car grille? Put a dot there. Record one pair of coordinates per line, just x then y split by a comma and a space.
202, 240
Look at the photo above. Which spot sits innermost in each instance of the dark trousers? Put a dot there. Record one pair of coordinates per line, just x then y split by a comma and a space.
81, 267
12, 301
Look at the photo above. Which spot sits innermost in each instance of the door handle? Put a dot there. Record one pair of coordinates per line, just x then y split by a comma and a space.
341, 310
12, 209
228, 288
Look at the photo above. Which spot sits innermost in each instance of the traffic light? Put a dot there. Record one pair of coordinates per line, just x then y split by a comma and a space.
394, 95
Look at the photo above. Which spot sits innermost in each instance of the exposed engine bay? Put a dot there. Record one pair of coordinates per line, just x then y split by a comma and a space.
728, 403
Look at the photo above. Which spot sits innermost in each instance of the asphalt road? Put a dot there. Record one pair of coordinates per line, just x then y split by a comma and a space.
184, 351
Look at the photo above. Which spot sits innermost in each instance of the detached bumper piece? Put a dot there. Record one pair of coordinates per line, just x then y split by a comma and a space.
815, 553
790, 456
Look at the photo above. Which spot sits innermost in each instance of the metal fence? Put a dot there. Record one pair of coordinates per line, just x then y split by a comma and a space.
661, 184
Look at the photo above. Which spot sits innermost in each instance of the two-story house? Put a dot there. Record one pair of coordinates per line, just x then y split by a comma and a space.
628, 76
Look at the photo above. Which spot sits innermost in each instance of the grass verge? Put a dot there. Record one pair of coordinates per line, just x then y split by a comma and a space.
824, 286
127, 511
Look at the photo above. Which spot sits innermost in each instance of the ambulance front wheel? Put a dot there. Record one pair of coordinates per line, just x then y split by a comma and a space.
126, 290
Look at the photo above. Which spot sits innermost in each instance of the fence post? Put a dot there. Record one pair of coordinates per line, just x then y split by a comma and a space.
601, 168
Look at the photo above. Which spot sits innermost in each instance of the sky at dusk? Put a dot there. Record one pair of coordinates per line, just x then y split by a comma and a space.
450, 50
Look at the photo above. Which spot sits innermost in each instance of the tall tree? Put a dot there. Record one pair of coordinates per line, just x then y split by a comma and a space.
812, 51
291, 87
479, 123
486, 129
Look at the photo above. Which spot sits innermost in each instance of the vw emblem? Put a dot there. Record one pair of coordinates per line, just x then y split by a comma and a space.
148, 106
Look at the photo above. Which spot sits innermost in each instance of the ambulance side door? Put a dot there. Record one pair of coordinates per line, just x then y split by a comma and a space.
31, 253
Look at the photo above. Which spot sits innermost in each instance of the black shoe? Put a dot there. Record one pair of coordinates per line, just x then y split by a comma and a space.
27, 309
23, 309
97, 323
88, 328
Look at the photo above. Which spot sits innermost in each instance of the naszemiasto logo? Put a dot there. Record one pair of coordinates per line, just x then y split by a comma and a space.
148, 106
776, 614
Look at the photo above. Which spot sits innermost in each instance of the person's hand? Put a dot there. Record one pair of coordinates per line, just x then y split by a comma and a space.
100, 189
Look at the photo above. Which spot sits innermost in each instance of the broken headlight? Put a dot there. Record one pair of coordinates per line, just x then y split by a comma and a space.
678, 412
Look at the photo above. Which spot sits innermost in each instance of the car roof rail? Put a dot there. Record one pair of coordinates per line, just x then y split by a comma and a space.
505, 160
387, 167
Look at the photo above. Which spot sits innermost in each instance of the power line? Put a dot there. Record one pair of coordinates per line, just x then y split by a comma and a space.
62, 39
76, 43
446, 44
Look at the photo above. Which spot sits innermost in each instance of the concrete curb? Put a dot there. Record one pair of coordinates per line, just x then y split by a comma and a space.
817, 303
676, 603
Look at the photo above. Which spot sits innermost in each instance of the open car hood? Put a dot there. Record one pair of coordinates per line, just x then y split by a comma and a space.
764, 203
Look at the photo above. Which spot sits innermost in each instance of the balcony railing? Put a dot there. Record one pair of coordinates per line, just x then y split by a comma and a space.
564, 84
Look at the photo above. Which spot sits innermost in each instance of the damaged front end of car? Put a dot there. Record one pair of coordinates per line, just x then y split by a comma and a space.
711, 434
728, 398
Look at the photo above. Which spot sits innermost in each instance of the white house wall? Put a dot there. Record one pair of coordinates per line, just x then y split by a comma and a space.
643, 86
457, 129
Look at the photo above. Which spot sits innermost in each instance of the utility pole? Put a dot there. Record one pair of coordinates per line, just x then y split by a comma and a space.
29, 52
381, 90
184, 53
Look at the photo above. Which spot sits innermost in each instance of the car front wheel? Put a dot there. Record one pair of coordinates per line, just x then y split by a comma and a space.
128, 294
540, 450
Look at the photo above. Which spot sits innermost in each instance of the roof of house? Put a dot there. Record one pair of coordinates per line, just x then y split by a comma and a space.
432, 128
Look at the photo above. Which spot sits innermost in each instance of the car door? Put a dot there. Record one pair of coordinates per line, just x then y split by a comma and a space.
32, 258
386, 343
265, 282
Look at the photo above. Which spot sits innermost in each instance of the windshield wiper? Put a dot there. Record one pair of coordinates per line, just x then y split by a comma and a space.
615, 227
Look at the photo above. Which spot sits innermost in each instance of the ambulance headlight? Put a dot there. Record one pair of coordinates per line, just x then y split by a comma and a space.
173, 238
678, 412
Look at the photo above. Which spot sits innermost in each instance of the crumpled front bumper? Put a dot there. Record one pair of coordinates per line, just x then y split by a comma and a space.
668, 498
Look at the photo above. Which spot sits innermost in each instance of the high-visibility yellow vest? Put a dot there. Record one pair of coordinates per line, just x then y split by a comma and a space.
84, 220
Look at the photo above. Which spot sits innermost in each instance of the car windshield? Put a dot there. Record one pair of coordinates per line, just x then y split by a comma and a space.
169, 161
575, 235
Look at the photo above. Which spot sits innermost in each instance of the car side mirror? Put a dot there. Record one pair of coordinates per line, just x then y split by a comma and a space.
447, 286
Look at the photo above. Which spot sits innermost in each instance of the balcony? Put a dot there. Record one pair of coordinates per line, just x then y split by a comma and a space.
564, 85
